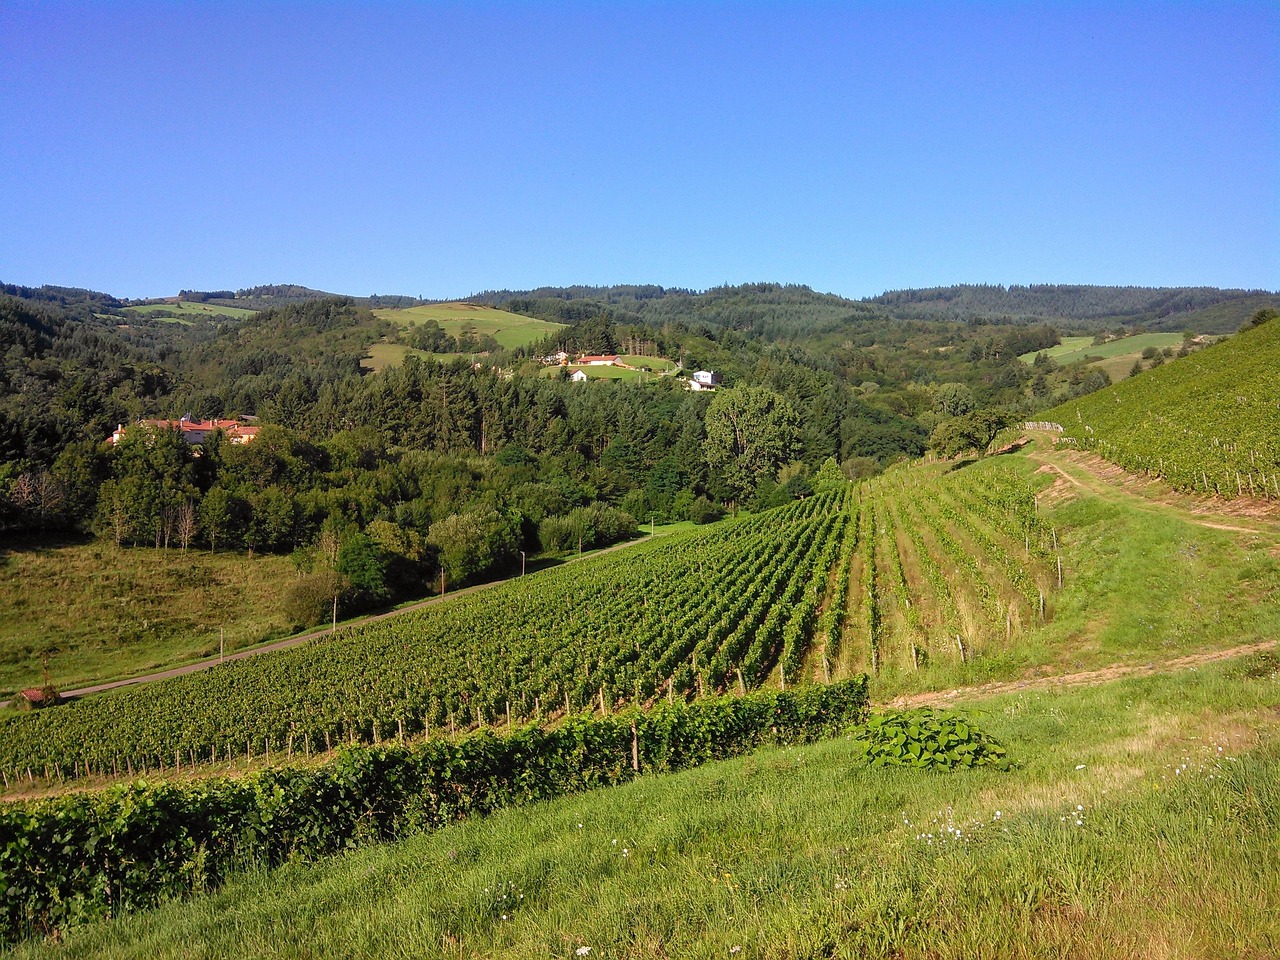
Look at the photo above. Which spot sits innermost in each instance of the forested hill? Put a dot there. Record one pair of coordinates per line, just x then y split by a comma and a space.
1201, 309
767, 311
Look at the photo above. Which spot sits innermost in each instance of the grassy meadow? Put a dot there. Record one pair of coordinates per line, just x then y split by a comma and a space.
509, 329
1116, 357
107, 613
1141, 819
191, 309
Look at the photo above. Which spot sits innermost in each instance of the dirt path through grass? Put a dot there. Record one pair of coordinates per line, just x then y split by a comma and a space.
942, 698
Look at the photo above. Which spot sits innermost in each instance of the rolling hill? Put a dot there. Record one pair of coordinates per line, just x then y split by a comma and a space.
1206, 422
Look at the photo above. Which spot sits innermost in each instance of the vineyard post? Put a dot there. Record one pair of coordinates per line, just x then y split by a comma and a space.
1059, 571
400, 728
508, 714
915, 657
742, 687
635, 748
222, 643
1042, 606
335, 614
960, 644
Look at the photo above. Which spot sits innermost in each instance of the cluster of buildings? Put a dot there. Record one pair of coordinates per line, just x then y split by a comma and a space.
702, 380
195, 431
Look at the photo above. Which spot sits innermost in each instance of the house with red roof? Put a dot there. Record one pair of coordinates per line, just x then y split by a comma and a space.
195, 431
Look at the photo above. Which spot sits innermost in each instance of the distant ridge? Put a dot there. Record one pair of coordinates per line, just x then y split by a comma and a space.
1202, 309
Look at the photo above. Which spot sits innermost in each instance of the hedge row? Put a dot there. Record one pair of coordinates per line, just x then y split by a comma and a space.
88, 856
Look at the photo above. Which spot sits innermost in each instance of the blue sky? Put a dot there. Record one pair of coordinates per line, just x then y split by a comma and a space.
439, 149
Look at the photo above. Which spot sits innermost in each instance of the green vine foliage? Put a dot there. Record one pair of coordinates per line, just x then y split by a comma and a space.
89, 856
925, 739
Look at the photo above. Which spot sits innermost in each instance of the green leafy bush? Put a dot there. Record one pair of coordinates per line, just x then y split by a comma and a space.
922, 738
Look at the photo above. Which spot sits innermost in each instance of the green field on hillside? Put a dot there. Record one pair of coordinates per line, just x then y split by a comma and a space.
603, 373
191, 309
651, 364
380, 356
1073, 349
105, 613
509, 329
1204, 422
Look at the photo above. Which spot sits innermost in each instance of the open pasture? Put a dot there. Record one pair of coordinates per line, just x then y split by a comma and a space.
191, 309
1074, 349
510, 330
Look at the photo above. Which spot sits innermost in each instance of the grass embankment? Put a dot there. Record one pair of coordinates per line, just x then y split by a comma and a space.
1142, 821
107, 613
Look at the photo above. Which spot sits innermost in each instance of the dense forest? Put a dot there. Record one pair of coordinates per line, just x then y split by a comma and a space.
1080, 307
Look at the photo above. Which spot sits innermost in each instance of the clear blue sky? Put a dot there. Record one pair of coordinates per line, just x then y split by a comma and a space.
439, 149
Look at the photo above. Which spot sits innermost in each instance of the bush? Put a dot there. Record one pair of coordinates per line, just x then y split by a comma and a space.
309, 599
922, 738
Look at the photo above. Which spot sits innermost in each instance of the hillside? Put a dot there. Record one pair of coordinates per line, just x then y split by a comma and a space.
1198, 309
799, 848
1206, 422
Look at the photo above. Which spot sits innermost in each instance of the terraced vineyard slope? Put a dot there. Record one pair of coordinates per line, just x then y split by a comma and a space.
1208, 422
913, 567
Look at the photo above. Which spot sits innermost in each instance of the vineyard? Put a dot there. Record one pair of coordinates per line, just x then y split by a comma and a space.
1207, 422
917, 566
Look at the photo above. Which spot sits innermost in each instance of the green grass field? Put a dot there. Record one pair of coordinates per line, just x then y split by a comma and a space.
191, 309
605, 373
651, 364
110, 613
1073, 349
509, 329
384, 355
1141, 819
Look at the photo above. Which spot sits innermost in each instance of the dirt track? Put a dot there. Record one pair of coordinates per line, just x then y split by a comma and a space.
1085, 678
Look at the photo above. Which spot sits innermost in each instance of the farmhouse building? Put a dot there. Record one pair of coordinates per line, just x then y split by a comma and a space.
603, 361
705, 380
195, 431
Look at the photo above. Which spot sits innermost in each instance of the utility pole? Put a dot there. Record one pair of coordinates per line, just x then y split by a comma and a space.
522, 558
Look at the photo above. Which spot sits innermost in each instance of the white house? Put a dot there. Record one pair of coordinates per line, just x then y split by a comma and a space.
705, 380
578, 376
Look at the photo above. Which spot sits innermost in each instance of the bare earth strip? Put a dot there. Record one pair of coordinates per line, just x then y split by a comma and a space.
1085, 678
